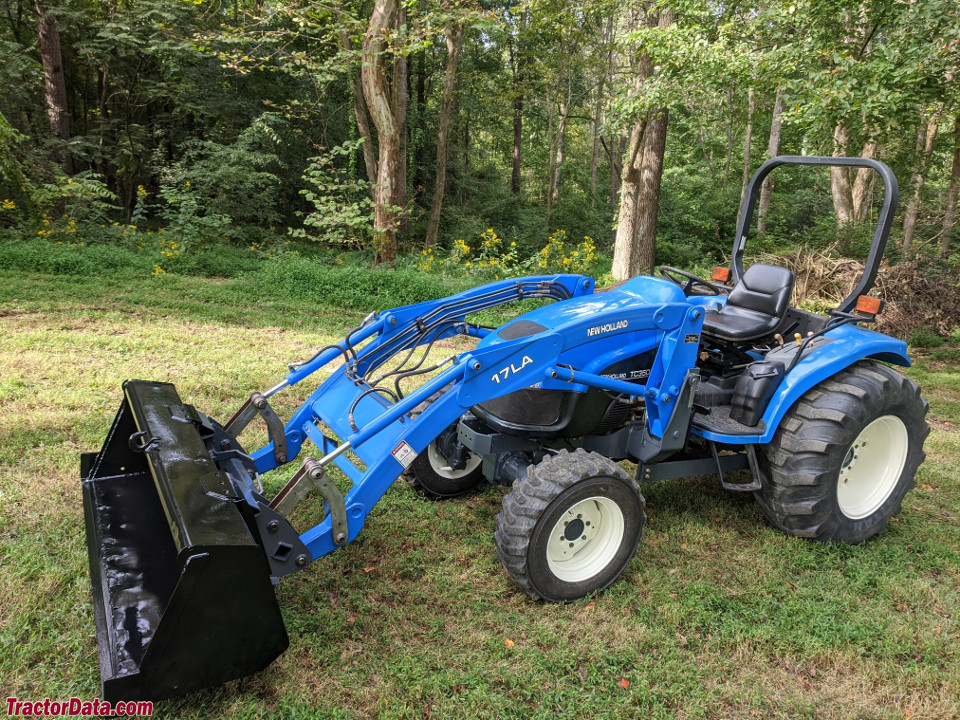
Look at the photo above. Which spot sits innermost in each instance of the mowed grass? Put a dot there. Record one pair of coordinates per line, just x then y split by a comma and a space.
718, 616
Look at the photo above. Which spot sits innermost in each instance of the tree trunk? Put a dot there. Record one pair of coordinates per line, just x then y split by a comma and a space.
466, 144
626, 261
454, 33
363, 126
378, 99
55, 85
517, 64
648, 195
561, 133
726, 166
619, 146
863, 184
950, 214
550, 160
598, 115
419, 156
747, 140
840, 179
401, 93
773, 147
626, 253
595, 150
925, 141
103, 125
517, 140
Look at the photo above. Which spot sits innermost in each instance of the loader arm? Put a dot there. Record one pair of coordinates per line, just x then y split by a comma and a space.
383, 437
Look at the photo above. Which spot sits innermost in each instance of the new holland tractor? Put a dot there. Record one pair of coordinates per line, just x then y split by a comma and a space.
677, 374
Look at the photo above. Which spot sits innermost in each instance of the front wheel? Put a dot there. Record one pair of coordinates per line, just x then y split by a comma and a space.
570, 527
845, 455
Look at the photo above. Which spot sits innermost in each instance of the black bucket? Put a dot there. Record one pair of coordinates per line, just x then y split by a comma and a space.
182, 591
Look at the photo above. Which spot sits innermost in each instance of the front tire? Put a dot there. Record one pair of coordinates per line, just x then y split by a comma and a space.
570, 527
845, 455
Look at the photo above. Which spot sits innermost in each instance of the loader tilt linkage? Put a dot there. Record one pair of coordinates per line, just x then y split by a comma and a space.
185, 549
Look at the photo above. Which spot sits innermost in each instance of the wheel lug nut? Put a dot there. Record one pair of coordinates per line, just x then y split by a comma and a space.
571, 544
584, 537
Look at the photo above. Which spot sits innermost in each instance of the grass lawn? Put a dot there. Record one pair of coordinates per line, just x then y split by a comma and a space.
718, 616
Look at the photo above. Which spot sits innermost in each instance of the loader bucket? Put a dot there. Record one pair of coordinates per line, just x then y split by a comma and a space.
182, 592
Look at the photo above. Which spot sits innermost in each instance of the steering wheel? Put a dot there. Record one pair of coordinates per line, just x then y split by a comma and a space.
692, 281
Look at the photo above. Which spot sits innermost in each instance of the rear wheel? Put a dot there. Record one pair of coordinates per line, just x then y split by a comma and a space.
432, 476
845, 455
570, 527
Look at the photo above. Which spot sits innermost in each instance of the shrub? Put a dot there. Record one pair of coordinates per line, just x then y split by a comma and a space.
922, 337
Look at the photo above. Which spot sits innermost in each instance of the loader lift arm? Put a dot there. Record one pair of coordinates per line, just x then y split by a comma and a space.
382, 435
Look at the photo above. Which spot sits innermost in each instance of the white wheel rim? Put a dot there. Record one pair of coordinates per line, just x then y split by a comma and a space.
585, 539
872, 466
440, 465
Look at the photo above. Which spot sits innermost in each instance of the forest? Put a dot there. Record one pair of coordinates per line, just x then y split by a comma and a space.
480, 135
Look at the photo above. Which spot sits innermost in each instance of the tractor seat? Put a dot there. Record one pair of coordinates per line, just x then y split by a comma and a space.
755, 307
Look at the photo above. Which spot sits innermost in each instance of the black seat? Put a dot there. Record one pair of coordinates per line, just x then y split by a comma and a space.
755, 307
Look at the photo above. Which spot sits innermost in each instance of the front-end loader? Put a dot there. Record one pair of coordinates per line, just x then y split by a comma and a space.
677, 374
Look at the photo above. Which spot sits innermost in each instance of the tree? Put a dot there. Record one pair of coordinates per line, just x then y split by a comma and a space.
55, 93
454, 33
925, 140
634, 248
380, 102
773, 147
950, 212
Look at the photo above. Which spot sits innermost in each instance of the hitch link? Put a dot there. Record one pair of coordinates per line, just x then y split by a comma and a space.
258, 404
312, 475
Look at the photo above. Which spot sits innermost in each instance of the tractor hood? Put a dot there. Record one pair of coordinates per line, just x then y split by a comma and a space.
636, 292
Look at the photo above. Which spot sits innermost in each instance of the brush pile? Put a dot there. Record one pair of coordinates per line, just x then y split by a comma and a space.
917, 293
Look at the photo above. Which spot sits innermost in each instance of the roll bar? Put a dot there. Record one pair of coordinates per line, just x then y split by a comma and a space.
880, 235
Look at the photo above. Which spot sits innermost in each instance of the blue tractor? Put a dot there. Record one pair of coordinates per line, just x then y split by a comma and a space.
677, 374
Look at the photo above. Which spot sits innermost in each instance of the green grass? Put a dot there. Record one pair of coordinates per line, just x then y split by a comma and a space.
718, 616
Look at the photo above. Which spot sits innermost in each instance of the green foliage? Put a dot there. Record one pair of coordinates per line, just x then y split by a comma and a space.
185, 218
238, 181
493, 257
16, 186
37, 256
352, 287
141, 254
925, 338
83, 199
341, 202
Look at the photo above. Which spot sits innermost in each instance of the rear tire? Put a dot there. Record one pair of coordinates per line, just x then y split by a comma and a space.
845, 455
570, 527
431, 475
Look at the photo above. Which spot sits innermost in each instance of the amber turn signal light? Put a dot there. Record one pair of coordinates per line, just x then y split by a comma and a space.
721, 274
869, 305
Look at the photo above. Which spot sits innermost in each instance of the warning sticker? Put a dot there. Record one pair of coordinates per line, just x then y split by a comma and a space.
404, 454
